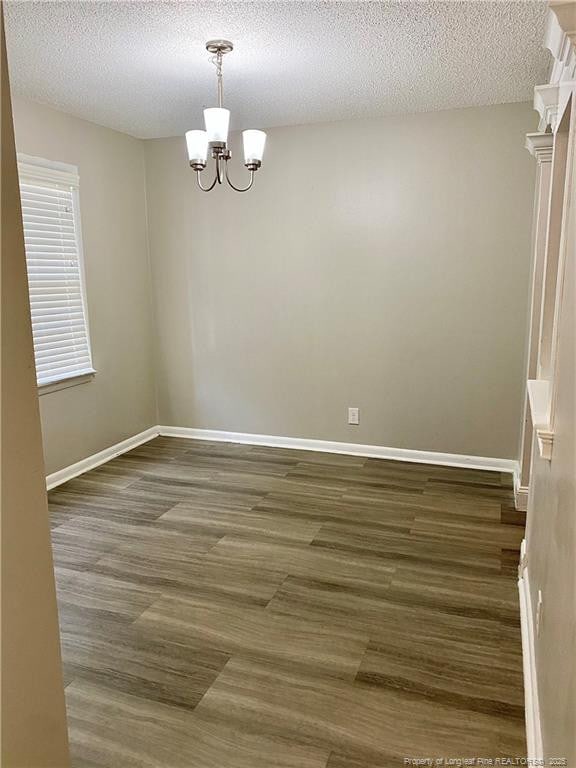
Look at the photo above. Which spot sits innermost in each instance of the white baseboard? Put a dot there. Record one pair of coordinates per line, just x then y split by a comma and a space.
354, 449
531, 703
90, 462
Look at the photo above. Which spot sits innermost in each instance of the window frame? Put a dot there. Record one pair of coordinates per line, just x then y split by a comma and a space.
30, 169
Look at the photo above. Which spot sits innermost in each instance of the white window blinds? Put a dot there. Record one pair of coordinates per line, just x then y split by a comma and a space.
51, 216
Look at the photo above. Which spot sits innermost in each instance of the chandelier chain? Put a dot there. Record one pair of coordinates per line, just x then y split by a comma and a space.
217, 61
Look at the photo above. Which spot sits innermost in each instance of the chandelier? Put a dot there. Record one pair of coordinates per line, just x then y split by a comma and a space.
215, 136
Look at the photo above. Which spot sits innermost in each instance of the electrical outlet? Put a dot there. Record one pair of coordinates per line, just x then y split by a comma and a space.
539, 607
353, 415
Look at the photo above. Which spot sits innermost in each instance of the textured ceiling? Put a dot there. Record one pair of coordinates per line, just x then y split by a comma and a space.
141, 67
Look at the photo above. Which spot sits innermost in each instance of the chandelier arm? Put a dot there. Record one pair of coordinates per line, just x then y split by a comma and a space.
211, 187
239, 189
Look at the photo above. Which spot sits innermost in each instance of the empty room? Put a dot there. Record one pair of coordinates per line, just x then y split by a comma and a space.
288, 384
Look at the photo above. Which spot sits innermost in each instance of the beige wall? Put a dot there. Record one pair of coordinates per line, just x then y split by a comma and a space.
377, 263
33, 716
397, 285
121, 400
551, 541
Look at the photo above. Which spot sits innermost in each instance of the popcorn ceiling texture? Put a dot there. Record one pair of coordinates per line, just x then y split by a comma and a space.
141, 67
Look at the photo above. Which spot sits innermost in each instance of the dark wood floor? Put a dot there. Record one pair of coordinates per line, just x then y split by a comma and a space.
229, 606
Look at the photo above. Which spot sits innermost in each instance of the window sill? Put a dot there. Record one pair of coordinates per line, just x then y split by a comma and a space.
73, 381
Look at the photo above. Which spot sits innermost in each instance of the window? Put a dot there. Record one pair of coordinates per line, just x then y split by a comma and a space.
52, 236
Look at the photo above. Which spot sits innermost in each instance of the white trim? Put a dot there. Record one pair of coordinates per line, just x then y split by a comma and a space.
354, 449
563, 246
70, 381
545, 439
546, 98
49, 171
539, 398
540, 145
90, 462
297, 443
520, 493
531, 703
560, 39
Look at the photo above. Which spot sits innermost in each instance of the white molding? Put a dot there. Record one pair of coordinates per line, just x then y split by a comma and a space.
540, 145
520, 493
90, 462
539, 399
531, 702
546, 100
353, 449
560, 39
71, 381
545, 439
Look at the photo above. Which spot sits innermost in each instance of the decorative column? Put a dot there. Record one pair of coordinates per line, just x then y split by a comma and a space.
550, 148
546, 569
555, 104
540, 146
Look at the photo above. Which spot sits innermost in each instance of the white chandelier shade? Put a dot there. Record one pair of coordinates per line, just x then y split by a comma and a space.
214, 139
197, 144
254, 143
217, 120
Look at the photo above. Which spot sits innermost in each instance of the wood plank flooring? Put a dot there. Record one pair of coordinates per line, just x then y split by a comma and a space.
229, 606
